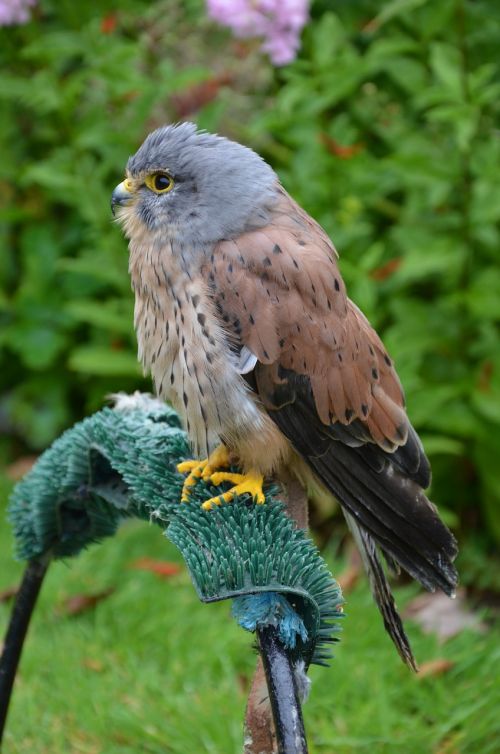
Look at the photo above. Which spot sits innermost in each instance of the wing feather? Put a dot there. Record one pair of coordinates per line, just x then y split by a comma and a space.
280, 293
328, 383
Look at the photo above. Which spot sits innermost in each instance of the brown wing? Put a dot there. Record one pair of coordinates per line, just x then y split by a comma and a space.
329, 385
280, 292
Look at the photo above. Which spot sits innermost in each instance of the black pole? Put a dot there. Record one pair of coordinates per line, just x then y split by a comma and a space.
285, 704
16, 631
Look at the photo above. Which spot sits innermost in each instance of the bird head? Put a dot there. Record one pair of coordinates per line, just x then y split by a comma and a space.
195, 186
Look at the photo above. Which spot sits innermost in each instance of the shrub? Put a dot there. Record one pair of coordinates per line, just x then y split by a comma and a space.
383, 128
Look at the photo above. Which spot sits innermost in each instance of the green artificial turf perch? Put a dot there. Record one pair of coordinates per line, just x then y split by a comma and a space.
121, 463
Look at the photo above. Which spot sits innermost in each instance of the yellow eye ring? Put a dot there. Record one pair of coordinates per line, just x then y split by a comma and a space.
159, 182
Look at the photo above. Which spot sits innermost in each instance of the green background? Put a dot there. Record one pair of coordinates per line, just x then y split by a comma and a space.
386, 129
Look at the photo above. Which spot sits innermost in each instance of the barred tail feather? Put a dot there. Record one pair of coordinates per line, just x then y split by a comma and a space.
381, 592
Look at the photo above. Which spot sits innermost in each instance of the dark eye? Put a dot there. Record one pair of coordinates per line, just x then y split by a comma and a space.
160, 183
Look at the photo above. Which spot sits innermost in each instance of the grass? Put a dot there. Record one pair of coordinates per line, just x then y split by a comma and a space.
152, 670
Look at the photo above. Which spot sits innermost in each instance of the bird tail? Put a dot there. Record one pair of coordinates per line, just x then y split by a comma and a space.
381, 592
395, 511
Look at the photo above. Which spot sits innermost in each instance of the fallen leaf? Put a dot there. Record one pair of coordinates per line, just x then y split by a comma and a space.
438, 614
122, 739
19, 468
108, 23
95, 665
370, 27
243, 683
7, 594
131, 95
198, 95
84, 742
348, 579
132, 702
341, 150
434, 667
449, 745
242, 48
159, 567
485, 376
81, 603
387, 269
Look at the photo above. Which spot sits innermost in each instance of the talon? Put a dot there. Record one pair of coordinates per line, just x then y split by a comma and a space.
250, 483
196, 470
186, 466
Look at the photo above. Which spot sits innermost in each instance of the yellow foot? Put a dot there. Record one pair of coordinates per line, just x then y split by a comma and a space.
243, 483
202, 469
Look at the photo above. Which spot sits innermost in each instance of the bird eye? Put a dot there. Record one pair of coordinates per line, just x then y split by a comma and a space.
160, 183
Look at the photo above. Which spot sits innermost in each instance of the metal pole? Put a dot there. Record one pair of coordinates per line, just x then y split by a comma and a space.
16, 631
285, 703
259, 729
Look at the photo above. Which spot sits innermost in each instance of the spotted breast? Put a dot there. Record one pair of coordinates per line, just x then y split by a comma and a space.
187, 352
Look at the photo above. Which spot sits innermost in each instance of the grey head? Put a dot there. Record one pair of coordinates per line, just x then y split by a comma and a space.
201, 187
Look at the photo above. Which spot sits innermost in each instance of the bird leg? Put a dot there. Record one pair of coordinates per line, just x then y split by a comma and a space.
202, 469
250, 483
208, 470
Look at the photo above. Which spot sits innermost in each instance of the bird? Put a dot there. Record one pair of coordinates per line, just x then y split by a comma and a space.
244, 324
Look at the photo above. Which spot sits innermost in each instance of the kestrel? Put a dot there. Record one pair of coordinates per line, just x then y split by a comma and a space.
243, 321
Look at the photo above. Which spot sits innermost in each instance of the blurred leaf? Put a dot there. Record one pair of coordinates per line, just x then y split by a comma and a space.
486, 393
20, 467
82, 603
38, 345
96, 666
113, 315
98, 360
394, 8
483, 295
8, 594
431, 400
445, 62
420, 263
486, 456
464, 118
86, 265
432, 668
37, 408
435, 444
159, 567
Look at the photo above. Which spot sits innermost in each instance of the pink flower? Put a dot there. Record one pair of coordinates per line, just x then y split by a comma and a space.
279, 22
15, 11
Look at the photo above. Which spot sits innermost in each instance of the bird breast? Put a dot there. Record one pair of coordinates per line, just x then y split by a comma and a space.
184, 347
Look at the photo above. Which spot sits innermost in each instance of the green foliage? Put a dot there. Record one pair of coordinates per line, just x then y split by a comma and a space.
78, 92
384, 129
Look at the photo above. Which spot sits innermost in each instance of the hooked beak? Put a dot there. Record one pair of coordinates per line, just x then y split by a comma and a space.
121, 196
